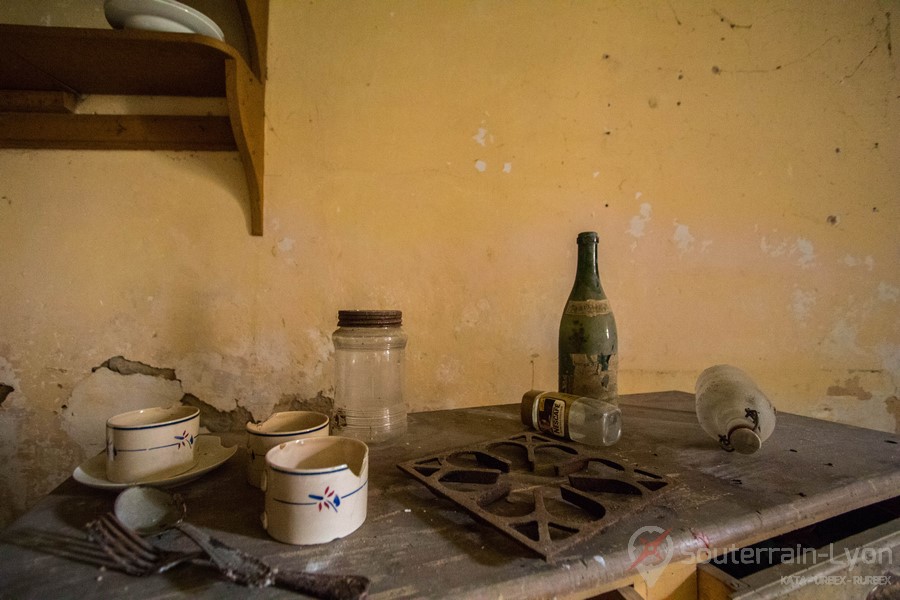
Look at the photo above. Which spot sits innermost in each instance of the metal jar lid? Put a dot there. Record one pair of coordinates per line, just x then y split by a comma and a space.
526, 408
744, 440
370, 318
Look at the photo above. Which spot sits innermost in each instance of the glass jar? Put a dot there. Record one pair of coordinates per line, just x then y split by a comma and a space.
369, 351
732, 409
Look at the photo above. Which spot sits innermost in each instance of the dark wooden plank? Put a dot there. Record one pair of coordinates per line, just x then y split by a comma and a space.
414, 545
101, 61
31, 101
115, 132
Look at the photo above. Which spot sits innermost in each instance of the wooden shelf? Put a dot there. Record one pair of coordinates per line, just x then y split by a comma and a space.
44, 70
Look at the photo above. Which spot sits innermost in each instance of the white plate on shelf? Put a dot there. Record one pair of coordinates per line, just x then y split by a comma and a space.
210, 454
160, 15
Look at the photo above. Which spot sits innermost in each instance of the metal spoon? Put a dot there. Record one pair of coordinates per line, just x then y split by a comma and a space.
149, 511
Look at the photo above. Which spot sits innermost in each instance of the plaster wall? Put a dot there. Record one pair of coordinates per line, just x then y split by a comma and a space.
739, 160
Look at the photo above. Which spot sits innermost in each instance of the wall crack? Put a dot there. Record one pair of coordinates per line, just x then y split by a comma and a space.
123, 366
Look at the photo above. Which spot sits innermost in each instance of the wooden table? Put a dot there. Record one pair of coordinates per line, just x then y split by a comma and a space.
414, 544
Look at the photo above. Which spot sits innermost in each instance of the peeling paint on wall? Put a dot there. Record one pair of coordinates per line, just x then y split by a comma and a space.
889, 355
106, 392
892, 405
8, 380
123, 366
5, 390
218, 421
851, 388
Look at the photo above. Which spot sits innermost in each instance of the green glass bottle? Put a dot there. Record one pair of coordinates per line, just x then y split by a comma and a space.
588, 343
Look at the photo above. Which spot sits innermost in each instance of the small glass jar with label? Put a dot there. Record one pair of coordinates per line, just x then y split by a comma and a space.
578, 418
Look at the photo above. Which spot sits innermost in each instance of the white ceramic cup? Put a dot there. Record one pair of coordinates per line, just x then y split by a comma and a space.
279, 428
151, 443
316, 489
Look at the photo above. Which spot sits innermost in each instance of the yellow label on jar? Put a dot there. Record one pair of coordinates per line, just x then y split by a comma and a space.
551, 415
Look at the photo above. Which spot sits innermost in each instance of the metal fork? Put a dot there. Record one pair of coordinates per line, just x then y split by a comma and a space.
130, 552
137, 556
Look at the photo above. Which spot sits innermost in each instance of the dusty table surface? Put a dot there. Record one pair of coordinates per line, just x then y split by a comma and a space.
415, 545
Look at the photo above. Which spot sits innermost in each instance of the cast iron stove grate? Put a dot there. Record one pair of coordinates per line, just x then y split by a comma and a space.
546, 494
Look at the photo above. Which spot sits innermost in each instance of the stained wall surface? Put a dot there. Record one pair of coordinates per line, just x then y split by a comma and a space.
739, 161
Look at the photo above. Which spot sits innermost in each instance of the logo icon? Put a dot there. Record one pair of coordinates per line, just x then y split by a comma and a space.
650, 549
328, 499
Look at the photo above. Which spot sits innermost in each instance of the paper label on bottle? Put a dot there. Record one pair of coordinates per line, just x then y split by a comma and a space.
596, 376
551, 414
587, 308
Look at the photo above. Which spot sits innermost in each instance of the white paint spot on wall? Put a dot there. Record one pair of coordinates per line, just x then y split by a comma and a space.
800, 248
321, 348
480, 166
449, 370
596, 174
801, 303
286, 244
807, 256
852, 261
483, 137
683, 238
472, 313
773, 249
888, 292
841, 340
507, 167
638, 222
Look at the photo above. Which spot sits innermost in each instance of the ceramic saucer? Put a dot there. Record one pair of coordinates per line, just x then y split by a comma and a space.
210, 454
160, 15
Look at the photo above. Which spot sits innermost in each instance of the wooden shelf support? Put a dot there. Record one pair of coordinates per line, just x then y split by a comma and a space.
44, 71
246, 104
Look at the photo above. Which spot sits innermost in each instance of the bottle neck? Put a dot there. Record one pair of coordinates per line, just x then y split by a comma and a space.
587, 276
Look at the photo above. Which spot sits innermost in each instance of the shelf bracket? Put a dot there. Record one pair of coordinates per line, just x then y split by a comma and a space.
246, 104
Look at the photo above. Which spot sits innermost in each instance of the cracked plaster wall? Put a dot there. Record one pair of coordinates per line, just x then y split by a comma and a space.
739, 161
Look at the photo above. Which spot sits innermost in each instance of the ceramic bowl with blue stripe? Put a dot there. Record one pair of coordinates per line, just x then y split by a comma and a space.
281, 427
316, 489
151, 443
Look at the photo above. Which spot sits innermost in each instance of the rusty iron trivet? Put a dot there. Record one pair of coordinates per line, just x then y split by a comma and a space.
546, 494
